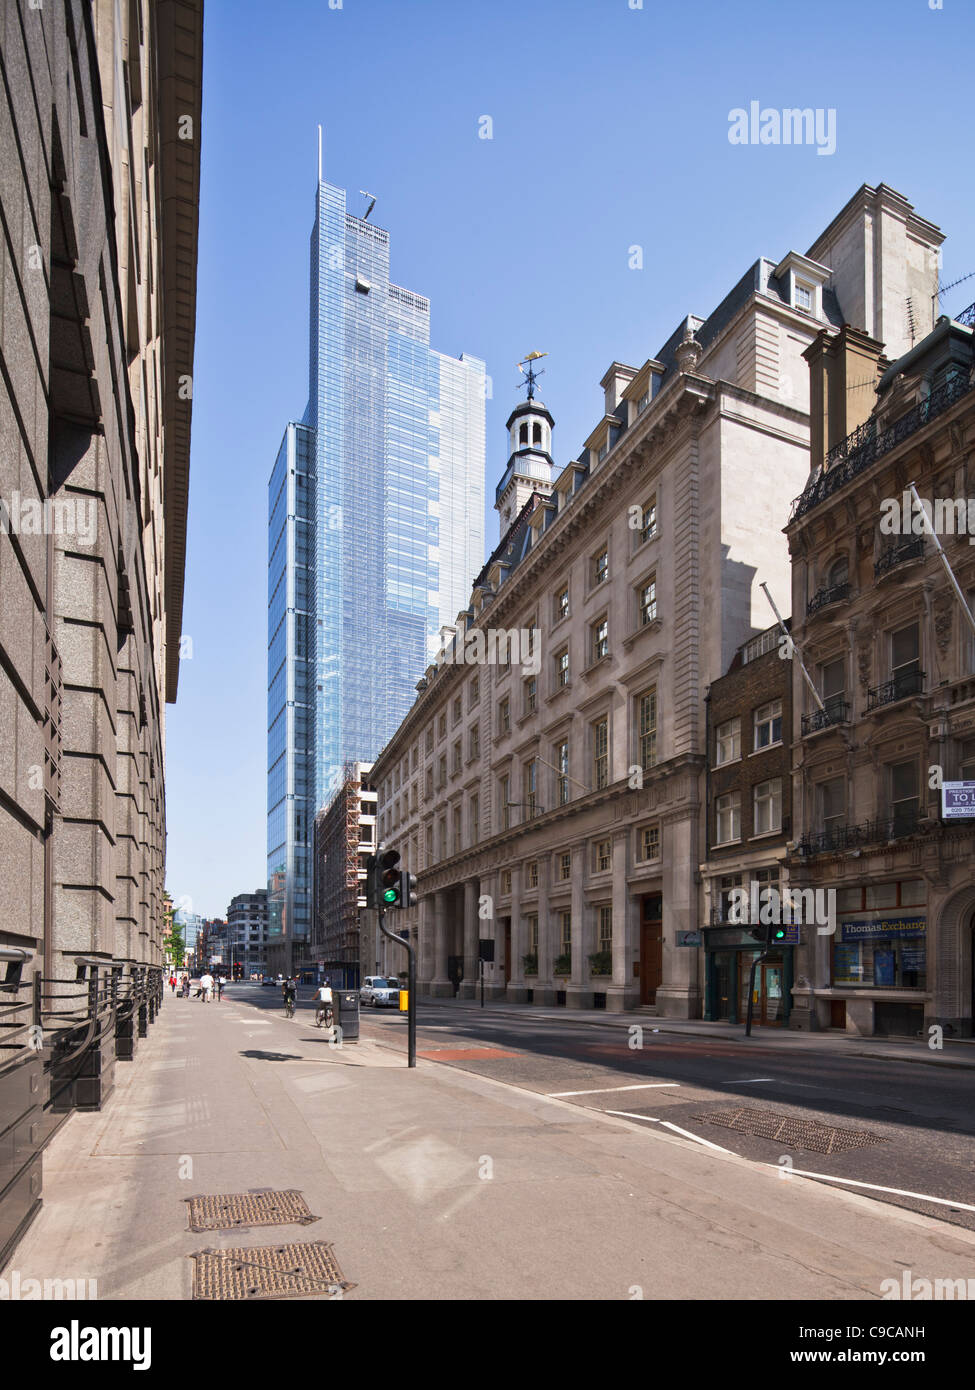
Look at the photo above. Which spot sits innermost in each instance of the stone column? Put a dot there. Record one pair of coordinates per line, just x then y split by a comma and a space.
578, 994
471, 936
440, 986
624, 992
425, 963
679, 995
543, 986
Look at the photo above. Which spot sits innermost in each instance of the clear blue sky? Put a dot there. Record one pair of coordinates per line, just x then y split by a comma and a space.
610, 129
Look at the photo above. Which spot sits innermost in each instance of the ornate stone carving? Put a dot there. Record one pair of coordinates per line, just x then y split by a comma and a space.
943, 615
689, 351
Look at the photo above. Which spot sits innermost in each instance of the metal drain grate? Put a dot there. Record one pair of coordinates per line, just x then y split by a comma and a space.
229, 1211
792, 1132
268, 1271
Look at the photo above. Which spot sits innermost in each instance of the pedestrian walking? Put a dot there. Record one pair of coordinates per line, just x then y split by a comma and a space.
222, 980
186, 985
206, 986
172, 983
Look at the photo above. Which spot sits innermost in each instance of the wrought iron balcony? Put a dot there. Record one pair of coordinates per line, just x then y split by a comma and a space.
836, 712
836, 838
900, 687
831, 593
898, 554
867, 444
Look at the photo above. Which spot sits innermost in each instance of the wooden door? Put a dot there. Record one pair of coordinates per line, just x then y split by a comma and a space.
651, 948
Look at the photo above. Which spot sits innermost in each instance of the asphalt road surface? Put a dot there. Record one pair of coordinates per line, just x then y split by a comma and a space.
878, 1121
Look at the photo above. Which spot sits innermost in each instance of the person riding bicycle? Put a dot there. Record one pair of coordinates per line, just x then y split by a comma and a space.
323, 1002
289, 991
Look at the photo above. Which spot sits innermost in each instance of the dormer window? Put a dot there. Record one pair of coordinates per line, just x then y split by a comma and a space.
603, 451
804, 297
643, 402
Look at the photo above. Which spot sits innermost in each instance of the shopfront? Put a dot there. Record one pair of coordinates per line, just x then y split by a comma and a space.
730, 953
878, 979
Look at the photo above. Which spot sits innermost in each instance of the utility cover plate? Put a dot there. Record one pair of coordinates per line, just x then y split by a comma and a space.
792, 1132
268, 1271
229, 1211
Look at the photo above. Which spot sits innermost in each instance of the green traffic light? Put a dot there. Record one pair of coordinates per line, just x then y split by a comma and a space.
390, 895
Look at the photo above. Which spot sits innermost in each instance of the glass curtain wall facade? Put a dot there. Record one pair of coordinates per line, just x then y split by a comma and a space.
375, 508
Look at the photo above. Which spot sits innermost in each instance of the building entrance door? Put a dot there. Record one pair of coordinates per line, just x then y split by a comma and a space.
651, 947
507, 950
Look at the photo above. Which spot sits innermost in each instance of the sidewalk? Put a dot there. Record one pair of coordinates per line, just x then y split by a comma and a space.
436, 1183
957, 1052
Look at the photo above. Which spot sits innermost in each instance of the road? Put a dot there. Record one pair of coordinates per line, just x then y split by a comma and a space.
910, 1126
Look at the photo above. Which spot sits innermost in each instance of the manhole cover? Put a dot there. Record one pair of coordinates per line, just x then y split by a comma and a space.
792, 1132
228, 1210
268, 1271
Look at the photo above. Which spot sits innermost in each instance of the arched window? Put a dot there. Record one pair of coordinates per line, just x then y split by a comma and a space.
839, 572
536, 434
523, 435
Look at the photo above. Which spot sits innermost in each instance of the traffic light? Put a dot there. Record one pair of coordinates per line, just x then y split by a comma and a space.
408, 896
777, 933
371, 881
389, 887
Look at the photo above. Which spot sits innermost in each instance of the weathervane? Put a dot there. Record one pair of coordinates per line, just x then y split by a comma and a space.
531, 376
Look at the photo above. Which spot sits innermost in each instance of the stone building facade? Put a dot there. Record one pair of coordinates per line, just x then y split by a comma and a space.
99, 184
553, 803
892, 649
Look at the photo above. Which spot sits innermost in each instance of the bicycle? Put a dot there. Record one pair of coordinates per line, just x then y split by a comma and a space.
289, 1006
324, 1014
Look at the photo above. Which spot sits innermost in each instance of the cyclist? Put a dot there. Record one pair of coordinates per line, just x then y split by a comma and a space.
289, 991
323, 1006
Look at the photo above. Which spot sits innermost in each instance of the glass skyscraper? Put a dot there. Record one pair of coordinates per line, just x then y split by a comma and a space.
376, 526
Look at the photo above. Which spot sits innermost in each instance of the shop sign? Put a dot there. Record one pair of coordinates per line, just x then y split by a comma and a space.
689, 938
883, 926
958, 800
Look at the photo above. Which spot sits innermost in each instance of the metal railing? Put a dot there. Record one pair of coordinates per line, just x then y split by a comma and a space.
900, 687
829, 593
16, 1014
835, 712
836, 838
867, 443
899, 554
87, 1010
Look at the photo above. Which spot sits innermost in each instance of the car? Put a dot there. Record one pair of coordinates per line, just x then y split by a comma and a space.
379, 992
268, 980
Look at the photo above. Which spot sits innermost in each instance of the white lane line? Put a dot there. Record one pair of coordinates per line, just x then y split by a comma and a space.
875, 1187
601, 1090
654, 1121
801, 1172
748, 1081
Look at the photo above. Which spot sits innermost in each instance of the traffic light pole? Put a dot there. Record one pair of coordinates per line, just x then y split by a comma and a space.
410, 985
751, 981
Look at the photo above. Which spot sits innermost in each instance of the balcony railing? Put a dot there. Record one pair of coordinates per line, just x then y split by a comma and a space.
836, 712
900, 687
899, 554
867, 444
831, 593
839, 837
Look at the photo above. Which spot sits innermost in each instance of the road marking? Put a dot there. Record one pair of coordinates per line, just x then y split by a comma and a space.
874, 1187
748, 1081
652, 1119
601, 1090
